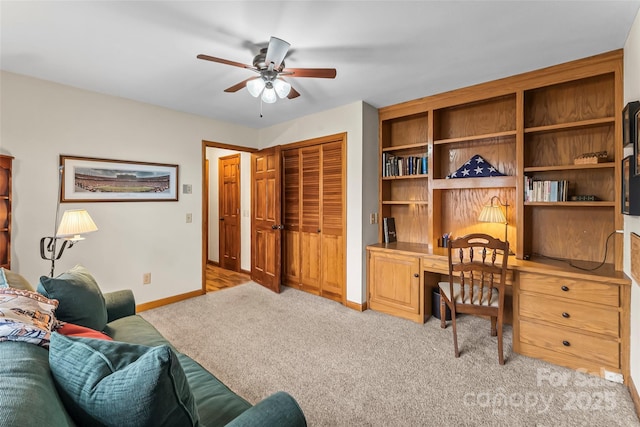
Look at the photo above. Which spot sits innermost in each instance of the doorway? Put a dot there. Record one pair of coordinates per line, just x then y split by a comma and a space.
216, 270
229, 211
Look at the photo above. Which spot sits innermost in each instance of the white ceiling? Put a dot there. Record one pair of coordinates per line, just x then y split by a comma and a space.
385, 52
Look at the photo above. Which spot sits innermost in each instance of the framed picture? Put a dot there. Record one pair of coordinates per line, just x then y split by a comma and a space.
86, 179
629, 127
626, 172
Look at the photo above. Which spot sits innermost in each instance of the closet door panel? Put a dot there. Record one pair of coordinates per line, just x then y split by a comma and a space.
291, 214
310, 219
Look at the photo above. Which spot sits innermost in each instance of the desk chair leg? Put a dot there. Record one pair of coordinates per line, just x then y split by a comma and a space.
500, 352
455, 333
443, 312
493, 327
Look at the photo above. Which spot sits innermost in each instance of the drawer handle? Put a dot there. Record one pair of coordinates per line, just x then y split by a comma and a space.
566, 343
565, 315
416, 275
565, 288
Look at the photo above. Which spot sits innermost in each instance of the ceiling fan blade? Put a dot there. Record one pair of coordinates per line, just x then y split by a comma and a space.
324, 73
236, 87
293, 93
276, 51
225, 61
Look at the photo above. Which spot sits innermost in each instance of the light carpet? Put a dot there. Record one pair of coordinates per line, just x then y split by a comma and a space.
347, 368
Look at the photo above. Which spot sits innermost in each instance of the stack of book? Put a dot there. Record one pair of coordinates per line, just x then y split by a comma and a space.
400, 166
545, 190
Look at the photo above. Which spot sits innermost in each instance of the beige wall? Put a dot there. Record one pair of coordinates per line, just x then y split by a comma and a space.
632, 223
41, 120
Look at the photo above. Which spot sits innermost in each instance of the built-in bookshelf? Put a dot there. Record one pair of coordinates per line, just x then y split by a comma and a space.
532, 128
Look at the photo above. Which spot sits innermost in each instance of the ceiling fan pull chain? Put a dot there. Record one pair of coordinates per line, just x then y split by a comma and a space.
261, 107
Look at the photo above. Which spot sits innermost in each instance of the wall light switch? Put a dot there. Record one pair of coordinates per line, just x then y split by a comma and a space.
186, 189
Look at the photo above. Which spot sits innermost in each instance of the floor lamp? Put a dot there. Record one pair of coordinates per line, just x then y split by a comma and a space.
493, 213
73, 225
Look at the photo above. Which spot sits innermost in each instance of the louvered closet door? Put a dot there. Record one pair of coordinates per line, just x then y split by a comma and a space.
310, 253
332, 230
291, 214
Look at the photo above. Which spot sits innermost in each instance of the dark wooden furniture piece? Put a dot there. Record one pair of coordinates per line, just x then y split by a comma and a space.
5, 211
476, 284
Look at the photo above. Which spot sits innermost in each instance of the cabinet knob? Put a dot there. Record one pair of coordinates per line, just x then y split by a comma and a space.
416, 275
565, 315
566, 343
565, 288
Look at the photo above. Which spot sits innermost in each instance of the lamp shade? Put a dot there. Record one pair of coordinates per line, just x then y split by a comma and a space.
491, 213
74, 223
269, 95
282, 88
255, 86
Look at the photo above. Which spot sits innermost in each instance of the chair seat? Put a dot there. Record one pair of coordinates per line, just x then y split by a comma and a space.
493, 302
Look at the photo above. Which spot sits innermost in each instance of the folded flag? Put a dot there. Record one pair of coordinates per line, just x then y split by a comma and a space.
475, 167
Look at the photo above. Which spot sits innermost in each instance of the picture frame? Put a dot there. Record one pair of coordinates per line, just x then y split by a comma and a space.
629, 128
88, 179
626, 193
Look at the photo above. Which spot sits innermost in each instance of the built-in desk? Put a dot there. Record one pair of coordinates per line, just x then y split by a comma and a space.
562, 314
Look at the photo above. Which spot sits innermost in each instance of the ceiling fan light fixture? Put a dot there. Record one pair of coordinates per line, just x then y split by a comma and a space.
269, 95
282, 88
255, 86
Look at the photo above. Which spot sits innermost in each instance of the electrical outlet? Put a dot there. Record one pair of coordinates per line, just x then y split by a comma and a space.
372, 218
146, 278
189, 218
613, 376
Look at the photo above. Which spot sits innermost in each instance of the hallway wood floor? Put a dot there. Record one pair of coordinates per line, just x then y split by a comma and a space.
218, 278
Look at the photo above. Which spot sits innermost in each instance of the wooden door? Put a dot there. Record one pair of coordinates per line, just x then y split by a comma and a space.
291, 213
310, 272
332, 225
229, 210
265, 218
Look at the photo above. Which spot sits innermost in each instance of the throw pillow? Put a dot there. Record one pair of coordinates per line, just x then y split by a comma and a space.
71, 330
80, 299
114, 383
9, 279
26, 316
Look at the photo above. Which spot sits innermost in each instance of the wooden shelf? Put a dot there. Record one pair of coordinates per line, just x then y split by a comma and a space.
418, 176
488, 182
595, 204
406, 147
405, 202
571, 125
475, 137
570, 167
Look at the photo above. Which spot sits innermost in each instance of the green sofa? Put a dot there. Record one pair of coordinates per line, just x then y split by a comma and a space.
29, 397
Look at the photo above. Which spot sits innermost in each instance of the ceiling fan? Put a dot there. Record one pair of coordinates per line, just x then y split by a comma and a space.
269, 64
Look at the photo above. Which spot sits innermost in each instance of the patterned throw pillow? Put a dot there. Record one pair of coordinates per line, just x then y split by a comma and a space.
26, 316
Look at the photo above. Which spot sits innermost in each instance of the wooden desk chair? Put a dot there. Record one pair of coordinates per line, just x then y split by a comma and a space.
477, 274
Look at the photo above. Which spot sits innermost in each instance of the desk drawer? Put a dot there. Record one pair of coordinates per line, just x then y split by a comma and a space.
602, 320
580, 290
602, 351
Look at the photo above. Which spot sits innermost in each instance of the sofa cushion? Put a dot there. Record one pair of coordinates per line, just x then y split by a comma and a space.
81, 301
135, 330
9, 279
28, 395
26, 316
112, 383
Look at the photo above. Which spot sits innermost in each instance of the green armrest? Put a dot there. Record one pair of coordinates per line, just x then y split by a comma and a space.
120, 304
277, 410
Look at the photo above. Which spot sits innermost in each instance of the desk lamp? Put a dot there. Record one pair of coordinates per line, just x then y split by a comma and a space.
493, 213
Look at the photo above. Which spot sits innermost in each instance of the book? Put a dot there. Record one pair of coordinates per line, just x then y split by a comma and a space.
389, 229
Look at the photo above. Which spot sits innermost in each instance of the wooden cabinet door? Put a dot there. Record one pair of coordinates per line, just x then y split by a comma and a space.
332, 221
394, 285
266, 218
